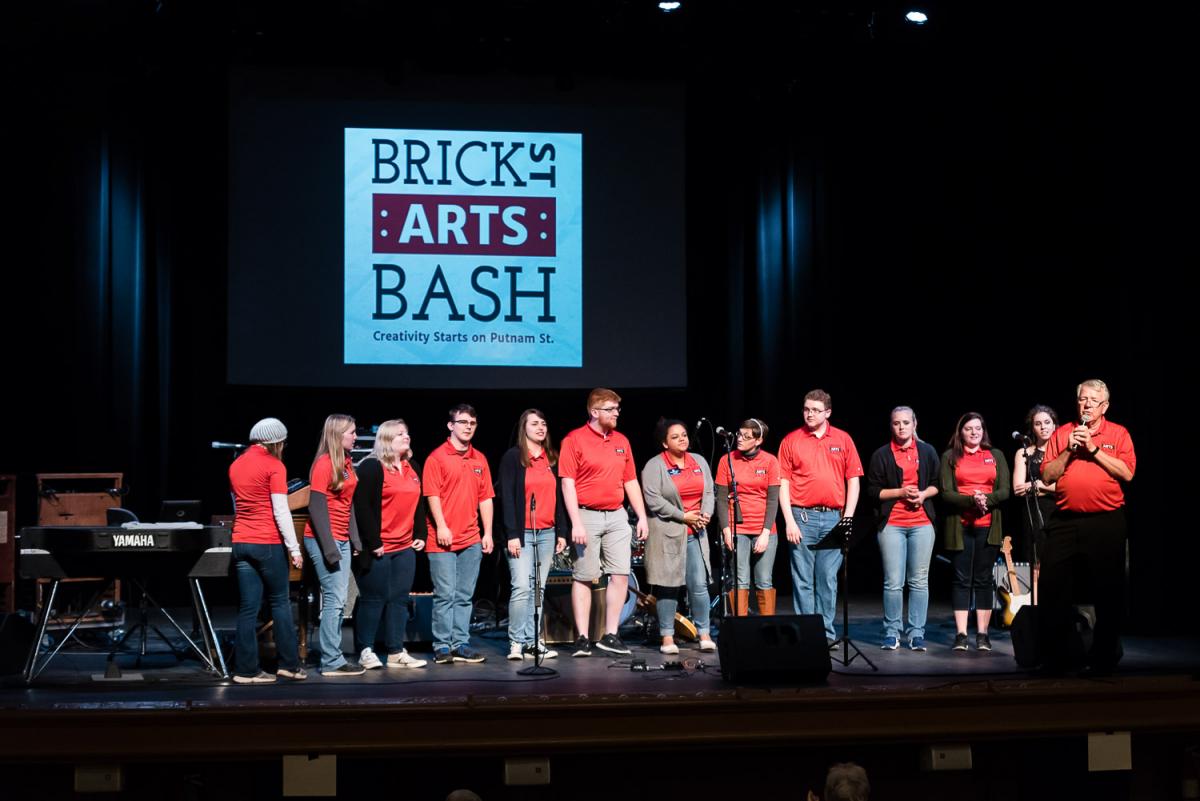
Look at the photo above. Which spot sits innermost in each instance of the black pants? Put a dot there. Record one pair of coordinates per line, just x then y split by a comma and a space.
973, 571
1083, 563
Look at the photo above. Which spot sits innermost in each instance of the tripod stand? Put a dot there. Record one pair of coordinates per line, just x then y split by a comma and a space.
840, 537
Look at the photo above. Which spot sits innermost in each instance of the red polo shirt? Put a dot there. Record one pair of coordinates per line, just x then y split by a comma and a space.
461, 481
253, 477
818, 467
689, 481
908, 461
539, 480
339, 502
401, 492
975, 471
1086, 486
600, 464
754, 476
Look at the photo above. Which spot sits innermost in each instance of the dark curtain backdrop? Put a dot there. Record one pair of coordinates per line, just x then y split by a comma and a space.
951, 227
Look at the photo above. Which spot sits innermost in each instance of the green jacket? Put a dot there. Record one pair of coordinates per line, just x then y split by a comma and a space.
955, 502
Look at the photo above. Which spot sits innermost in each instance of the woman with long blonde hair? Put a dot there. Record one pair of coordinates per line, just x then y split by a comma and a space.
331, 536
390, 513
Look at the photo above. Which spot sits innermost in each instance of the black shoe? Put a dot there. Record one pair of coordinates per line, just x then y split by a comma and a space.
982, 642
613, 645
960, 642
465, 653
442, 656
583, 646
343, 671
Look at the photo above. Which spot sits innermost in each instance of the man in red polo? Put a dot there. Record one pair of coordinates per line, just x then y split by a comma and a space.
819, 472
1083, 559
597, 471
458, 488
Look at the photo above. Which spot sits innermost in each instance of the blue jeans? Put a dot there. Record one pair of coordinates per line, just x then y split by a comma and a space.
815, 573
383, 592
906, 550
259, 566
520, 570
696, 577
334, 582
454, 574
762, 563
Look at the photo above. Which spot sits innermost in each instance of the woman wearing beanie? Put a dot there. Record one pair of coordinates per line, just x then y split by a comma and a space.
390, 512
331, 536
264, 541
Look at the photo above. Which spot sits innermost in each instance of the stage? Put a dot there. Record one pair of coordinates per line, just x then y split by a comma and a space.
178, 709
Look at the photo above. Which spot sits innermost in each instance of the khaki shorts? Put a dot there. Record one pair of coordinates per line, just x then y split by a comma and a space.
608, 546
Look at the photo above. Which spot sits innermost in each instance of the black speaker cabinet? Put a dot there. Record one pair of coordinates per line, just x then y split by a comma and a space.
774, 649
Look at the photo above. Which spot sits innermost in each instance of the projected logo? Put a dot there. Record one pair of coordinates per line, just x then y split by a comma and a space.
463, 248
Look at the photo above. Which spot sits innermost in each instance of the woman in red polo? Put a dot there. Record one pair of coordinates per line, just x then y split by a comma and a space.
678, 488
390, 513
264, 542
973, 482
757, 476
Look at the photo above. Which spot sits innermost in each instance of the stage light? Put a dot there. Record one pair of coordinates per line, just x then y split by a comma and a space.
917, 17
668, 7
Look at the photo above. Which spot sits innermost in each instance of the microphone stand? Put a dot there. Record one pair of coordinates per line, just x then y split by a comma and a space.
1033, 516
735, 517
537, 668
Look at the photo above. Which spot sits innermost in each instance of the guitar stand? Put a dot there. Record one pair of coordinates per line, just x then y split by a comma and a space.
840, 538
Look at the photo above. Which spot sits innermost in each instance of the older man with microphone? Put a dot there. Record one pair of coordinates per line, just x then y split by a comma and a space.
1083, 562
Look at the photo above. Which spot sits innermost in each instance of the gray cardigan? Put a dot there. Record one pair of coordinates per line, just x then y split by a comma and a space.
666, 547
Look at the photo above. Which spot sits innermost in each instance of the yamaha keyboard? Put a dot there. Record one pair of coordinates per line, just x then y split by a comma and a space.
190, 552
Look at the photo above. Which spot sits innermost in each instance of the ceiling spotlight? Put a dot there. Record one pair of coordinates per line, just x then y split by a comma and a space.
669, 6
917, 17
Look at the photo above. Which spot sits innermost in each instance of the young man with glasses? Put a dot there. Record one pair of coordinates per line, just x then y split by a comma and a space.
598, 473
819, 477
458, 489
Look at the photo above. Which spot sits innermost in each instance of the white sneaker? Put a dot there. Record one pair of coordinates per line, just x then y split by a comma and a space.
403, 660
516, 651
708, 645
368, 660
668, 649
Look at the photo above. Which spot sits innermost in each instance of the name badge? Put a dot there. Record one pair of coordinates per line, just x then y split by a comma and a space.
674, 471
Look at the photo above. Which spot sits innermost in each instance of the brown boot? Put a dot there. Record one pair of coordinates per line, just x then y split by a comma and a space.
739, 604
766, 601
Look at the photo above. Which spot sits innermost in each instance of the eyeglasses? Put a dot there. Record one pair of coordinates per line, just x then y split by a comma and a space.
808, 411
609, 409
467, 423
746, 437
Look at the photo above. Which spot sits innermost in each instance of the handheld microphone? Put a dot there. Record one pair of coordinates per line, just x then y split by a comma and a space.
227, 446
1084, 419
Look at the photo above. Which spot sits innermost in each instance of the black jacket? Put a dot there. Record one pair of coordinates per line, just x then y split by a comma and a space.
512, 497
883, 473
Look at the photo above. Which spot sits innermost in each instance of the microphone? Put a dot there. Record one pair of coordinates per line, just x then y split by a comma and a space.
1084, 419
721, 432
701, 422
1019, 437
227, 446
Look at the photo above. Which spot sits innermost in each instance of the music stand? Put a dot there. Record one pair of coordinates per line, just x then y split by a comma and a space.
841, 537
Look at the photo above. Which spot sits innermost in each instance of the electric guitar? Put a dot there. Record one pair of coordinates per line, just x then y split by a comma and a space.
1013, 600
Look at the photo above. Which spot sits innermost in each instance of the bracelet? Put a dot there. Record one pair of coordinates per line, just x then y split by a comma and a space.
1093, 453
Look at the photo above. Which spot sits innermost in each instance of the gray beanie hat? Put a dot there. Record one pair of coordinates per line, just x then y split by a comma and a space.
268, 431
